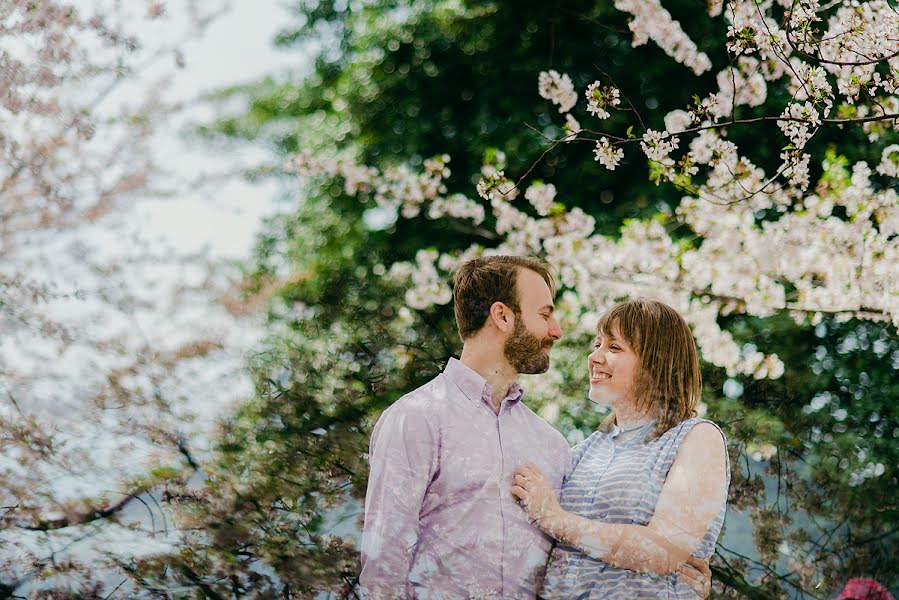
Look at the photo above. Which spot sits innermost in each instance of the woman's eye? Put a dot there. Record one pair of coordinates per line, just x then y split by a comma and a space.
614, 347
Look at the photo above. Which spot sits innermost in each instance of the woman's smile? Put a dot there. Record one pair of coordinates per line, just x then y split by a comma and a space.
599, 376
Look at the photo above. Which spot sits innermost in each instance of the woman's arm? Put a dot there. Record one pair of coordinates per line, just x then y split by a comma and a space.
690, 499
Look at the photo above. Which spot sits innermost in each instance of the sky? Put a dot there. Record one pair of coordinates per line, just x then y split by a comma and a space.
236, 49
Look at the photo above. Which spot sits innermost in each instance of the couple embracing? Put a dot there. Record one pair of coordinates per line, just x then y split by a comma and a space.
472, 495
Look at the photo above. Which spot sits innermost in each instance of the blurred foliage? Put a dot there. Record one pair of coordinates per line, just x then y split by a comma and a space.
814, 453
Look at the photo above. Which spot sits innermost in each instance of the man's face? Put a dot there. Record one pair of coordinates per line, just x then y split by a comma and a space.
535, 330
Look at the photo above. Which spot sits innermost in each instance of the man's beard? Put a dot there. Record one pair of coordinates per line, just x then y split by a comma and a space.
524, 350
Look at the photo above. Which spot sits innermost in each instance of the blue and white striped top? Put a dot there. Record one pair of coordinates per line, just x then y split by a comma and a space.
620, 483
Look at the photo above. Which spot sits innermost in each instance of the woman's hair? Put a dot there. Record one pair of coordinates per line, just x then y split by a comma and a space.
668, 382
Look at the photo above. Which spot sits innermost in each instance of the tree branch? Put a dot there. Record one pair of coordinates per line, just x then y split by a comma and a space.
872, 61
725, 124
63, 522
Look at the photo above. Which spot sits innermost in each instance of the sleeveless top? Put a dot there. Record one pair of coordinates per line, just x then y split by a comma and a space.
620, 483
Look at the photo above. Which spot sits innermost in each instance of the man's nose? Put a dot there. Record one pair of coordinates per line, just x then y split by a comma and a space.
555, 332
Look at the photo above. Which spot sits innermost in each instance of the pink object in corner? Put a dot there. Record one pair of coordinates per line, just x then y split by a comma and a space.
863, 588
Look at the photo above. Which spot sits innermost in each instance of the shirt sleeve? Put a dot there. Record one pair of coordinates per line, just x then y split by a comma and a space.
403, 460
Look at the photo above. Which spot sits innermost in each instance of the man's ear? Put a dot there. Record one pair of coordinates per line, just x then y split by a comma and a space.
502, 317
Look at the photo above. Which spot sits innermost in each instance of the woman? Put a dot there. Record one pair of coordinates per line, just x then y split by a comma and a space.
649, 488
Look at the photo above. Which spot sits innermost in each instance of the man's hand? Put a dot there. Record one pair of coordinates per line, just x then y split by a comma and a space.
535, 493
698, 576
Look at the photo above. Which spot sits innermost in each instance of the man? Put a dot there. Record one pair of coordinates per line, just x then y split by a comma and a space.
440, 520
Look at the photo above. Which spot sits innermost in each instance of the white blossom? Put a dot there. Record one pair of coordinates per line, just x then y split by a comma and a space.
557, 88
598, 99
767, 244
428, 287
889, 161
571, 127
488, 186
743, 85
607, 156
542, 197
810, 83
650, 21
457, 206
802, 118
657, 146
677, 121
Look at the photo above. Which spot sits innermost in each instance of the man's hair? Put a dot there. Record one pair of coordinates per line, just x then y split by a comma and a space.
481, 281
669, 381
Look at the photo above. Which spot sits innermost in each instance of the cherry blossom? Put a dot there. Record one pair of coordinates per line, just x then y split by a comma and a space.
598, 99
650, 21
542, 196
767, 242
677, 121
571, 127
607, 156
889, 161
557, 88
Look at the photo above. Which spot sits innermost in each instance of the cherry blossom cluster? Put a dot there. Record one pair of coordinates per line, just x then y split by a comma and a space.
657, 146
768, 242
599, 98
645, 260
427, 287
741, 265
557, 88
542, 197
650, 21
400, 188
822, 62
606, 155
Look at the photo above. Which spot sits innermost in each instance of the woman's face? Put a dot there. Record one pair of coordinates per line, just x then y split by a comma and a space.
613, 367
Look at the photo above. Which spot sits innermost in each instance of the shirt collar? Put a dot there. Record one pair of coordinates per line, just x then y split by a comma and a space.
475, 387
632, 434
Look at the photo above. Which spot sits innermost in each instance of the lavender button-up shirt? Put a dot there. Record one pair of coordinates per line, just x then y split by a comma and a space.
440, 520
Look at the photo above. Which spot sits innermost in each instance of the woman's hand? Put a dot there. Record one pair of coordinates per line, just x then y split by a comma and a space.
535, 493
698, 576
